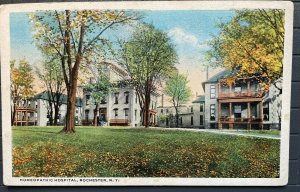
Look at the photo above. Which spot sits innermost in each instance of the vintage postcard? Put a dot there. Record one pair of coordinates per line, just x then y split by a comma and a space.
146, 93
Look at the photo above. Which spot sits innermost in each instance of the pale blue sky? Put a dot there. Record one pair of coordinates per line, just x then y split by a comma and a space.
188, 30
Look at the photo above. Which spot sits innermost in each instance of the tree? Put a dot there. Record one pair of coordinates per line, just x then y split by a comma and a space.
75, 37
50, 74
99, 89
251, 45
176, 88
22, 79
148, 57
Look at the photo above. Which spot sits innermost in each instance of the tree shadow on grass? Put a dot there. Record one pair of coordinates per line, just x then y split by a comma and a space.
37, 131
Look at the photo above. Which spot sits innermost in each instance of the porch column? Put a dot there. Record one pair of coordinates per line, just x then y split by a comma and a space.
249, 115
219, 115
261, 116
248, 88
26, 118
230, 115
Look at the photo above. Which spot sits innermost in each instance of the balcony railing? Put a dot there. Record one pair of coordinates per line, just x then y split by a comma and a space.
240, 120
119, 121
256, 94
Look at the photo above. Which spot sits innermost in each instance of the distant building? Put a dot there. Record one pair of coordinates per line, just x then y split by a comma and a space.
189, 116
239, 105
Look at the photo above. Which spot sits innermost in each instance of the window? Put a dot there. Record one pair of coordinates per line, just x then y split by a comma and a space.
238, 89
103, 101
135, 114
181, 121
116, 98
212, 91
201, 107
192, 110
86, 114
212, 112
126, 97
126, 112
152, 106
116, 113
237, 111
201, 119
192, 120
167, 110
162, 111
266, 111
136, 98
87, 99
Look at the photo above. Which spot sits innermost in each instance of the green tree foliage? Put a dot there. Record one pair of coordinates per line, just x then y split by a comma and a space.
251, 45
148, 57
50, 73
22, 84
176, 88
76, 37
99, 89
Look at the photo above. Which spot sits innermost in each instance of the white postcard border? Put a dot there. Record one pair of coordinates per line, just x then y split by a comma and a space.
135, 181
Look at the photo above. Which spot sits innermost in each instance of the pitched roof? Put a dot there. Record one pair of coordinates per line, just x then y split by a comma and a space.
64, 99
200, 98
218, 76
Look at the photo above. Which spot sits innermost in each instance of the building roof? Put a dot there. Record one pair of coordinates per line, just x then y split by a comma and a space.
218, 76
45, 96
200, 98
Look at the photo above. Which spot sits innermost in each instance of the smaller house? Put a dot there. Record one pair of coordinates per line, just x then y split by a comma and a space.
42, 109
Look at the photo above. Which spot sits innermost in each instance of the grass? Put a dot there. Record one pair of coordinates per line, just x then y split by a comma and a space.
257, 132
107, 152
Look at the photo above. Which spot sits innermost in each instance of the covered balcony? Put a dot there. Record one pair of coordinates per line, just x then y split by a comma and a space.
245, 88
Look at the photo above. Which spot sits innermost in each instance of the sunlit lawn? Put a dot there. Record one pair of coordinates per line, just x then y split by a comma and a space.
41, 151
256, 132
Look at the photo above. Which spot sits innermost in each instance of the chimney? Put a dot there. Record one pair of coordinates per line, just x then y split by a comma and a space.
206, 73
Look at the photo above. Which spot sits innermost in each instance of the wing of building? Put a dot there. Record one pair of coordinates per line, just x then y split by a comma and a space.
35, 111
121, 107
242, 104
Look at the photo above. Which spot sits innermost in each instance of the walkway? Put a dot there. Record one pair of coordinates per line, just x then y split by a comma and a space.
224, 132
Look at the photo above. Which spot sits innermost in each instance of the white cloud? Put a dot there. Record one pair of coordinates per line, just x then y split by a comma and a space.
181, 36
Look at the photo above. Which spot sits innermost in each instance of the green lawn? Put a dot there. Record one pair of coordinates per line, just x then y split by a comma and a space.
41, 151
256, 132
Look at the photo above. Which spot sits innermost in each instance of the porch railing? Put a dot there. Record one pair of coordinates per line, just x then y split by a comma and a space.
239, 120
256, 94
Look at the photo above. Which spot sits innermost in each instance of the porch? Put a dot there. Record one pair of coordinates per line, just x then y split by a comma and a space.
237, 114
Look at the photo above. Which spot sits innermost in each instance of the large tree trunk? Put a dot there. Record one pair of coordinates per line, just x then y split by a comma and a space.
147, 111
13, 116
51, 114
56, 114
177, 117
95, 115
70, 116
73, 76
